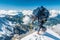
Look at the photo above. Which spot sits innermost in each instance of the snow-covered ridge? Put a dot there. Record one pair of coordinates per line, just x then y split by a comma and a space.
49, 35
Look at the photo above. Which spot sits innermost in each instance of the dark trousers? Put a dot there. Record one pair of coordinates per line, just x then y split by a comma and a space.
40, 24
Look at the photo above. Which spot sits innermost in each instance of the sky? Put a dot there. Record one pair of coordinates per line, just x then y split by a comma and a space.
28, 4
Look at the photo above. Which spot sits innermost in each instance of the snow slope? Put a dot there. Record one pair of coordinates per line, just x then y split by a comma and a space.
49, 35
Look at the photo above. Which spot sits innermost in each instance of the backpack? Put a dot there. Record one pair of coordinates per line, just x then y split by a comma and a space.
41, 12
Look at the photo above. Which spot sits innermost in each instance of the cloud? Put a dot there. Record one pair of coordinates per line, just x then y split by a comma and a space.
14, 12
54, 13
27, 12
26, 20
8, 12
3, 12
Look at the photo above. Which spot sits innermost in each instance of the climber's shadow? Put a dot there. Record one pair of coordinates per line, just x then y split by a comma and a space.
51, 36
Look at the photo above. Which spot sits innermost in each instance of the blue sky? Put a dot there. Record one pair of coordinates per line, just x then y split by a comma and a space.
29, 4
